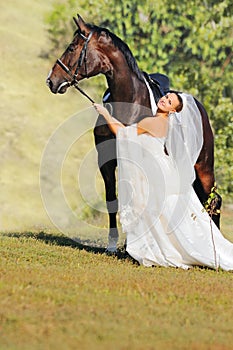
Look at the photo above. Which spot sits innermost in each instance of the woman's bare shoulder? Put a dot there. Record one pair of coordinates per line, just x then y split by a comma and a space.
156, 126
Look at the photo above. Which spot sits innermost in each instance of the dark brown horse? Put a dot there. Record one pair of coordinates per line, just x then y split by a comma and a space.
96, 50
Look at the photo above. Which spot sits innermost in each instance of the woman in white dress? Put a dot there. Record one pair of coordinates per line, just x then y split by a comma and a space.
163, 219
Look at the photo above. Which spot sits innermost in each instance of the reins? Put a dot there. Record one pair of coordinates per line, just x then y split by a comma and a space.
82, 58
84, 93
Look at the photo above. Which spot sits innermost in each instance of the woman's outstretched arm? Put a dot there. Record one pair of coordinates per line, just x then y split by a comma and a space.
156, 127
113, 123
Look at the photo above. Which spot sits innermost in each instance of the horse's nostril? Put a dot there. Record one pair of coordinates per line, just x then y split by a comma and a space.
49, 83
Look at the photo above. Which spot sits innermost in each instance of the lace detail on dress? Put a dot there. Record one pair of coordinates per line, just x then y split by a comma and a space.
126, 216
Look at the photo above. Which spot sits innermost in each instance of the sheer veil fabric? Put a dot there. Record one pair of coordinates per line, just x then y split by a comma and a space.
185, 139
159, 211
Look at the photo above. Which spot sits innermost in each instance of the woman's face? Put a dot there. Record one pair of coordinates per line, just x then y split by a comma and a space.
168, 103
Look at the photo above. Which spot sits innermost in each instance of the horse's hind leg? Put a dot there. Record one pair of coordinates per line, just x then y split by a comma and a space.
202, 185
204, 167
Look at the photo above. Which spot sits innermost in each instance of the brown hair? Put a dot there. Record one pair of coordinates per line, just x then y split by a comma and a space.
180, 105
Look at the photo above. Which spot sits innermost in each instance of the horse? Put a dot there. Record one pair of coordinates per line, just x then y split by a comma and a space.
95, 50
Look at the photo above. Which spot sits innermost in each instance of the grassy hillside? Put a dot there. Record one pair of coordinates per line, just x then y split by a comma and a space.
29, 112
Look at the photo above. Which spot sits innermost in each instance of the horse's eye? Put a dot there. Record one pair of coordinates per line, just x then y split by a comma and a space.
71, 48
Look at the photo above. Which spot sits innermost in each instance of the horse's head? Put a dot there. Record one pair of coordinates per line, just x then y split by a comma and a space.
83, 58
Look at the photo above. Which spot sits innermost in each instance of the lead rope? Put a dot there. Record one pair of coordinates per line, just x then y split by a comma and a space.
83, 92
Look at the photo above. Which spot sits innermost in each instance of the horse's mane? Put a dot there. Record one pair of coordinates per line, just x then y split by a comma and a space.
122, 46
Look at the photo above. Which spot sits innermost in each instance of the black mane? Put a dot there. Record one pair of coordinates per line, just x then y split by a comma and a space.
122, 46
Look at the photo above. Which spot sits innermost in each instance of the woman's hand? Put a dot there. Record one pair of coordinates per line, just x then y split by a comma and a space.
101, 109
113, 123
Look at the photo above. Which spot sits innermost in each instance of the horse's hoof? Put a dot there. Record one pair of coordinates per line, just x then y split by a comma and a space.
112, 241
111, 249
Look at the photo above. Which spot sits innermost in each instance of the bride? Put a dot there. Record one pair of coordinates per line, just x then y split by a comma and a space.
164, 221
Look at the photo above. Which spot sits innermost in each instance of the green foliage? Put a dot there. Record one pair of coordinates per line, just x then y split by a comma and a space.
210, 207
190, 41
210, 204
59, 23
224, 147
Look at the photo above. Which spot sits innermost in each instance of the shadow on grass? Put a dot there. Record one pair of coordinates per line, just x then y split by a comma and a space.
87, 245
61, 240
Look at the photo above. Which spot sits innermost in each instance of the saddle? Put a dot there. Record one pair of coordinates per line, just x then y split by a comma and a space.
159, 84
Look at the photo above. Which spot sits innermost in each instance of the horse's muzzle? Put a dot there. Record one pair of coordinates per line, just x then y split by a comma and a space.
60, 89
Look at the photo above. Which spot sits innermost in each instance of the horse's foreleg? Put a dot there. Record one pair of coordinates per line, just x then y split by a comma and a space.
108, 173
202, 185
106, 148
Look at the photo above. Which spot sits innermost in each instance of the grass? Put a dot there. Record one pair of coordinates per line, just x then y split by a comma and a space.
56, 293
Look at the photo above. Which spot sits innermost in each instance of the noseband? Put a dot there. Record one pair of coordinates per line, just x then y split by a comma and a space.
82, 59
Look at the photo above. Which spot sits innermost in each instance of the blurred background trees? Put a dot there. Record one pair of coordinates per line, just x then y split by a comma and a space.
189, 40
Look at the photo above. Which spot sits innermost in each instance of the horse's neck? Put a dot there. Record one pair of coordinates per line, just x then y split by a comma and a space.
129, 94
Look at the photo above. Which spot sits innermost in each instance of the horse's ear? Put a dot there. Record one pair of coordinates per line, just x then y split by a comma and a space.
80, 23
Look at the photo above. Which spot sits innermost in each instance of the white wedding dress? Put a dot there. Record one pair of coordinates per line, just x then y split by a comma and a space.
163, 219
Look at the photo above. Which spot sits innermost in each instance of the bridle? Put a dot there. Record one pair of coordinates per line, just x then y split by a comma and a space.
82, 59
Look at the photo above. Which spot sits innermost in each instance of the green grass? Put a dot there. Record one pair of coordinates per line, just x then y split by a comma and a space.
58, 294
